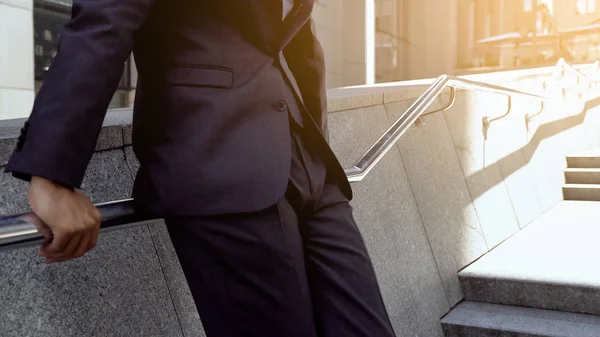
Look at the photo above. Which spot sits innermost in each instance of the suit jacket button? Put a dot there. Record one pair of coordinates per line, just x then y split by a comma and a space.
281, 106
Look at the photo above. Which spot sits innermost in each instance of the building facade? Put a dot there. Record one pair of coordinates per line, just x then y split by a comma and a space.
365, 41
30, 29
480, 19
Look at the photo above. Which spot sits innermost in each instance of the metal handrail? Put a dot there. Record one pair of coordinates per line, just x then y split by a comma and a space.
371, 157
21, 231
562, 64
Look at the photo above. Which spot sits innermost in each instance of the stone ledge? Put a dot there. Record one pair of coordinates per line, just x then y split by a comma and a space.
115, 133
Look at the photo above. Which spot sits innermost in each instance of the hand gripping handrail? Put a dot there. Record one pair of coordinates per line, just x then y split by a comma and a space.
21, 231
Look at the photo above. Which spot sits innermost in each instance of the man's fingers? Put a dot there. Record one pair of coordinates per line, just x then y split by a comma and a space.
58, 244
68, 251
84, 243
94, 239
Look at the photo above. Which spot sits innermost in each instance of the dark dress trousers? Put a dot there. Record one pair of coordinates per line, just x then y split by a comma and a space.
230, 131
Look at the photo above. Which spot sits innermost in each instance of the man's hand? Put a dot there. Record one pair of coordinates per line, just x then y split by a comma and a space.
72, 222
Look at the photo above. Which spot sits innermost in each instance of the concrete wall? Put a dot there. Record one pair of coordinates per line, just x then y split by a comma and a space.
341, 31
440, 199
432, 29
16, 58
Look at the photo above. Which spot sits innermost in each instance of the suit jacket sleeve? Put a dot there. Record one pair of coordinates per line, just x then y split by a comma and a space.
59, 138
306, 60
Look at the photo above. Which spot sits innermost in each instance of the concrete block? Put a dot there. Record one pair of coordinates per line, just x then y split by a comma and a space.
340, 101
471, 319
7, 147
587, 159
134, 164
111, 137
13, 195
116, 290
389, 220
442, 196
490, 196
108, 177
505, 139
179, 290
582, 175
585, 192
546, 154
544, 266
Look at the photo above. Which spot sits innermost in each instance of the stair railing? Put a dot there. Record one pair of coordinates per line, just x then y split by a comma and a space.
21, 231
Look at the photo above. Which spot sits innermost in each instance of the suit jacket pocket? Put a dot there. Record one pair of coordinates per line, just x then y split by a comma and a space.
201, 76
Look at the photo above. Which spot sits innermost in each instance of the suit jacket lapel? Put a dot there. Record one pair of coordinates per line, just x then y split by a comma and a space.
293, 22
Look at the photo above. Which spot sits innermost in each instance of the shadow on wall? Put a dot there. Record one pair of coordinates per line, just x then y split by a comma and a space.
472, 193
543, 132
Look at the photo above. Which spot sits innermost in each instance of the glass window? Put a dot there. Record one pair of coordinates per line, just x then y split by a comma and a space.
49, 17
585, 6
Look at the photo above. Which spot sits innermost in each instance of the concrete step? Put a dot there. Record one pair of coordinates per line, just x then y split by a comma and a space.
584, 192
582, 175
585, 159
471, 319
551, 264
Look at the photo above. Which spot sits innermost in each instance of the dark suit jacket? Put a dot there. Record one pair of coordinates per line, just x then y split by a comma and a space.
216, 82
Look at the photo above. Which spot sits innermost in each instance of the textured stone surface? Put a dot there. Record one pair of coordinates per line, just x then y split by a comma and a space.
485, 182
389, 220
505, 138
7, 146
586, 192
121, 118
548, 265
582, 175
415, 205
180, 292
592, 121
9, 133
556, 133
442, 197
132, 161
471, 319
116, 290
111, 137
13, 195
127, 135
108, 177
343, 102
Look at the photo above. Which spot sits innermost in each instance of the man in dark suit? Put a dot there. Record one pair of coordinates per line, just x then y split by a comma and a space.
230, 131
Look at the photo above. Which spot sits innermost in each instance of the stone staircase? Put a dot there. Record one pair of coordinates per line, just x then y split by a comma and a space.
582, 176
543, 281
